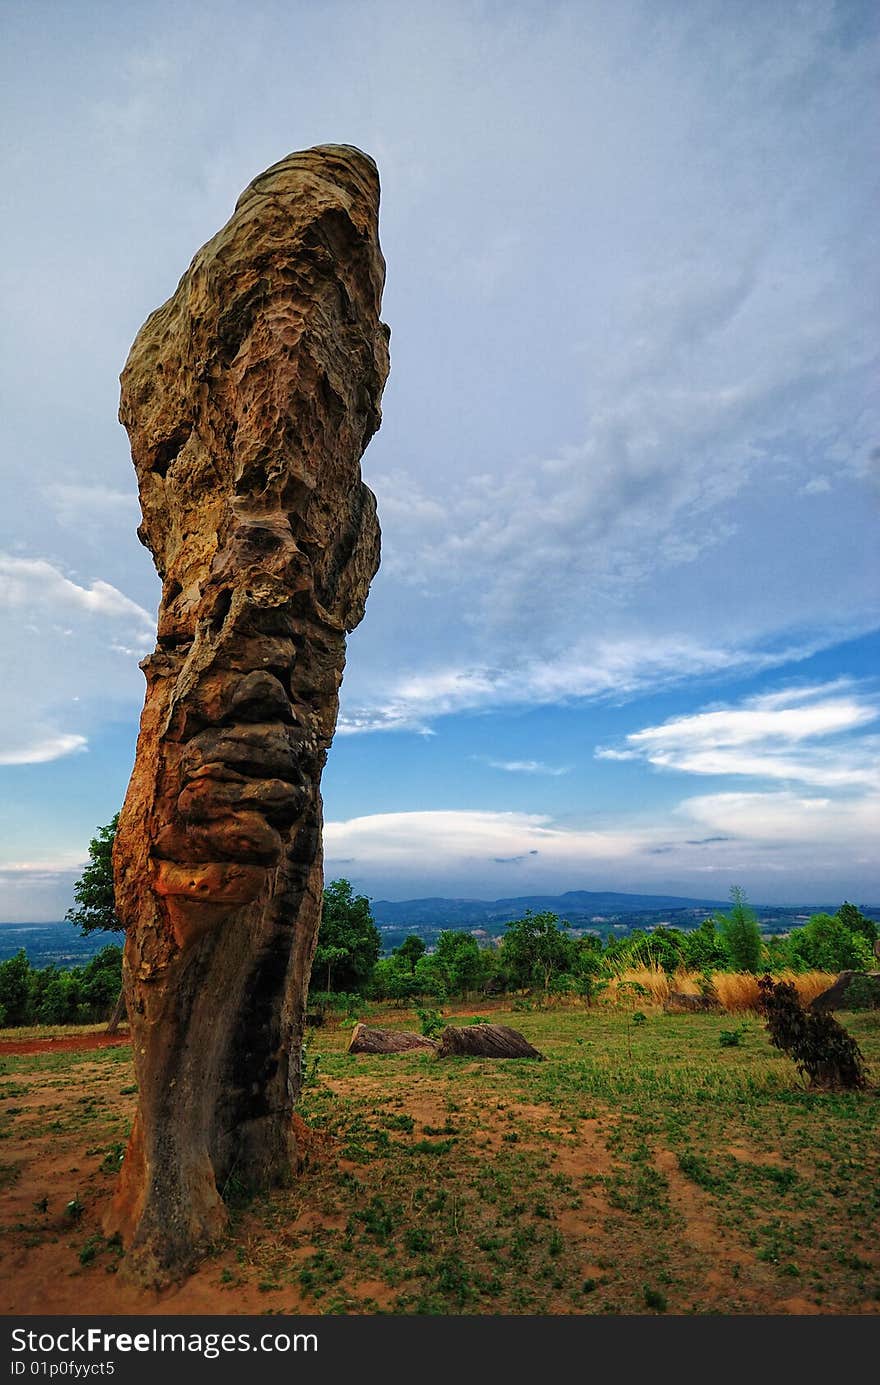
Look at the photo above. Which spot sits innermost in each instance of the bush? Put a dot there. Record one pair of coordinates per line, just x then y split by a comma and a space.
48, 995
862, 993
15, 988
827, 944
821, 1048
430, 1022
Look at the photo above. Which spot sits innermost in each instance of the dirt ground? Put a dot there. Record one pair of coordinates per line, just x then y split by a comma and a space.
471, 1166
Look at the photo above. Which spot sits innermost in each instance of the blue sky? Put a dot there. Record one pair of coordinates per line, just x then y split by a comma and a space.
625, 630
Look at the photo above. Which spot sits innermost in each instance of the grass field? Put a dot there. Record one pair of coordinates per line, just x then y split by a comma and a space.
644, 1167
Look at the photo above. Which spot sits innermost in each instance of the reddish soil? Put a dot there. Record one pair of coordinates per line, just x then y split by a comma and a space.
62, 1043
64, 1125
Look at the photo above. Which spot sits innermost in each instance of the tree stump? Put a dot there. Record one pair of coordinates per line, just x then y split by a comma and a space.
484, 1041
249, 398
367, 1040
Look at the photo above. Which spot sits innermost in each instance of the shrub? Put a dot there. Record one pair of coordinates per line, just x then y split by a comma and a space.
827, 944
430, 1022
862, 993
821, 1048
15, 988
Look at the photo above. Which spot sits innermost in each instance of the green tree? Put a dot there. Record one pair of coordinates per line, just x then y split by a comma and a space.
410, 950
348, 940
704, 948
61, 998
16, 982
663, 948
536, 949
857, 922
102, 978
96, 903
431, 977
93, 892
588, 966
741, 933
826, 944
460, 958
393, 980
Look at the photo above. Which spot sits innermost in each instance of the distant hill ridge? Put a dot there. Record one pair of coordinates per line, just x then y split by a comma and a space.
601, 911
574, 903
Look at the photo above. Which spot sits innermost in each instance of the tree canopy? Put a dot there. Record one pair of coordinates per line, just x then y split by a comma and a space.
348, 940
95, 903
741, 932
827, 944
536, 949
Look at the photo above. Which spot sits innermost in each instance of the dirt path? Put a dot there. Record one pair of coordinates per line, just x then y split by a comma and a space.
63, 1043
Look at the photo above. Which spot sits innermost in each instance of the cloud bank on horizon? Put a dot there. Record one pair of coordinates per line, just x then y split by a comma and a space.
626, 619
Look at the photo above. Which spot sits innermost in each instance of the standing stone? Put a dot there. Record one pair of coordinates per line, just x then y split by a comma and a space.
249, 399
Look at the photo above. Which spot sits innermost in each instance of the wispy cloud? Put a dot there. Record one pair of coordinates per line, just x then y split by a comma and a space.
34, 585
42, 751
842, 827
91, 507
603, 669
528, 767
73, 648
759, 839
807, 735
61, 863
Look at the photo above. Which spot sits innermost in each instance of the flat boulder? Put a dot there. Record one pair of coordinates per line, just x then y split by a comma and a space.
679, 1002
840, 996
484, 1041
367, 1040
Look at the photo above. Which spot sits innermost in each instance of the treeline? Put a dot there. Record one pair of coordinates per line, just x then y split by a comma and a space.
56, 995
537, 953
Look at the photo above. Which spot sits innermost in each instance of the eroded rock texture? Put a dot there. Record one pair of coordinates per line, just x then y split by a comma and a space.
249, 398
365, 1039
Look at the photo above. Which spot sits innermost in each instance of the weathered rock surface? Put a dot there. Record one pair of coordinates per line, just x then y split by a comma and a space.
839, 996
249, 398
365, 1039
484, 1041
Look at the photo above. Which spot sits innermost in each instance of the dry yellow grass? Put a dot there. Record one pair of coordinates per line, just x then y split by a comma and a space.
637, 986
739, 990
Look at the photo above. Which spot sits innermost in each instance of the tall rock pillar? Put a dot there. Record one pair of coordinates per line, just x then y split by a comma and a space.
249, 399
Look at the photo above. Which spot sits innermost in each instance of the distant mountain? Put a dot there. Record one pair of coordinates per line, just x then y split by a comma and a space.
575, 905
602, 911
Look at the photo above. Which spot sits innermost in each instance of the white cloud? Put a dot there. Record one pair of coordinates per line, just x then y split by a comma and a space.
529, 767
73, 651
455, 839
35, 586
771, 737
780, 845
804, 823
61, 863
40, 752
602, 669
